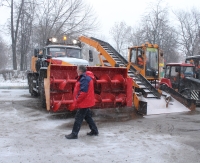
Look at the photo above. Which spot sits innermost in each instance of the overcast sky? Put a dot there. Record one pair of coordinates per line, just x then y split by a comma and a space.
110, 11
130, 11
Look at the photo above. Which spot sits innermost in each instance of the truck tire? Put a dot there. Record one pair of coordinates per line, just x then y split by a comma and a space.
32, 85
29, 82
42, 94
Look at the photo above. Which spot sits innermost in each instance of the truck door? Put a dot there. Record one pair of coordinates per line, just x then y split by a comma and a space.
152, 63
175, 76
137, 57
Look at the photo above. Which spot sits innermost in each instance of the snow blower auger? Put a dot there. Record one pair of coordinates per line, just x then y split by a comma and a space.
112, 87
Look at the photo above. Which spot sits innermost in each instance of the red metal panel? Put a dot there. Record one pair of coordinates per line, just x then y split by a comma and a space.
129, 92
166, 81
62, 81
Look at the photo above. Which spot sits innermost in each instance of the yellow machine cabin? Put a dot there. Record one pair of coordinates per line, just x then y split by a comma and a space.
145, 59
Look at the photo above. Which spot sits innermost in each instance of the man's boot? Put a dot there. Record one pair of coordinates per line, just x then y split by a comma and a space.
71, 136
93, 133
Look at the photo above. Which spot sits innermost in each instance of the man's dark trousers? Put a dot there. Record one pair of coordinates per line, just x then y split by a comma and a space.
83, 114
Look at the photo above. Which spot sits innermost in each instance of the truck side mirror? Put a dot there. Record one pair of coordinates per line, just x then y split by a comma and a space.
36, 52
49, 56
40, 55
90, 56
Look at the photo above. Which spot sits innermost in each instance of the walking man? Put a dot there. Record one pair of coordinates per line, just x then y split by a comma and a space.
83, 100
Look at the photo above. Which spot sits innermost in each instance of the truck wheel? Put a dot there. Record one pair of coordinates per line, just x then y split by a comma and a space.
32, 85
29, 82
42, 94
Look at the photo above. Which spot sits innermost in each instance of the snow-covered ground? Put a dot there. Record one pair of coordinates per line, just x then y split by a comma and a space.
28, 134
13, 83
158, 106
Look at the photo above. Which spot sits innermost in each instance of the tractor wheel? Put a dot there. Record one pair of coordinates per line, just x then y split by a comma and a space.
32, 85
42, 94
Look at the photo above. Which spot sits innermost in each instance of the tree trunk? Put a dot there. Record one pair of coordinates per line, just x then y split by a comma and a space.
13, 39
14, 32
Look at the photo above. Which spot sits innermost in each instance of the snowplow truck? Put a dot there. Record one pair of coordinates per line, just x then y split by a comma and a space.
54, 73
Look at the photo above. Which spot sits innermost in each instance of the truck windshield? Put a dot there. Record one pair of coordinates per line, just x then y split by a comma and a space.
64, 52
152, 58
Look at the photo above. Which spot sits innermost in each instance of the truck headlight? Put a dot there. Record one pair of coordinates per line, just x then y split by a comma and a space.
75, 42
53, 39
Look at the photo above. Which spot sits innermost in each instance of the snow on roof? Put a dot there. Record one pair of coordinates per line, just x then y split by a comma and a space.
66, 46
193, 57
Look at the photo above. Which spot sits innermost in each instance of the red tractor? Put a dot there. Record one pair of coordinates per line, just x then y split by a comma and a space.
181, 78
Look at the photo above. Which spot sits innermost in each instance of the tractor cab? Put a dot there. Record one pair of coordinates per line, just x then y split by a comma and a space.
145, 59
175, 74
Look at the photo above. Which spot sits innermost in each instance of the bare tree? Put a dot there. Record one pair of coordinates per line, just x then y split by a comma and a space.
15, 29
15, 11
189, 31
52, 18
155, 28
136, 36
169, 46
25, 32
155, 22
71, 17
120, 33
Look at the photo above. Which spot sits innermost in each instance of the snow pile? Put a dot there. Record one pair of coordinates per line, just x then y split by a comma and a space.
14, 82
